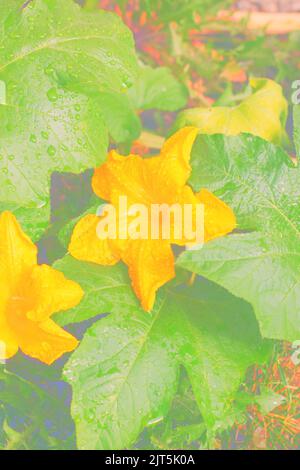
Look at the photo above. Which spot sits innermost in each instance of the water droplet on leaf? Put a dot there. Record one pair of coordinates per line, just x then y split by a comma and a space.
51, 150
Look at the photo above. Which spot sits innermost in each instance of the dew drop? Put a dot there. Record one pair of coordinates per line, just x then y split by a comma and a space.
45, 135
51, 150
49, 70
52, 95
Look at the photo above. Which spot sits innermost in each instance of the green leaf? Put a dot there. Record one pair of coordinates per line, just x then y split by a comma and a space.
157, 89
221, 341
49, 121
106, 289
117, 384
261, 184
268, 400
32, 219
120, 117
263, 113
118, 388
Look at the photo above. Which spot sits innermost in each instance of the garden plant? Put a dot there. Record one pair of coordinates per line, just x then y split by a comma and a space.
149, 226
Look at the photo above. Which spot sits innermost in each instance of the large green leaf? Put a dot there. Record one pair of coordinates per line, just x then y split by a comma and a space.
55, 54
123, 376
123, 123
106, 288
262, 185
157, 89
125, 372
262, 113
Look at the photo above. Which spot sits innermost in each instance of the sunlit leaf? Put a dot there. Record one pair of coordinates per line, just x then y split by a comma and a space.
263, 113
157, 89
55, 46
262, 185
117, 386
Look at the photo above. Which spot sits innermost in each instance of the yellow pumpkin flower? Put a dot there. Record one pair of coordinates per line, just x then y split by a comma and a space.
29, 295
154, 180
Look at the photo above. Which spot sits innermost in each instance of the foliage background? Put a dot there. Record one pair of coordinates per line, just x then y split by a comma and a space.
212, 62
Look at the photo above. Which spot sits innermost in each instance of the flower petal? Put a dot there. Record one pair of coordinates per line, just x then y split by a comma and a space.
186, 198
87, 246
175, 156
122, 176
219, 219
151, 265
159, 180
147, 180
17, 257
8, 342
45, 341
51, 292
17, 252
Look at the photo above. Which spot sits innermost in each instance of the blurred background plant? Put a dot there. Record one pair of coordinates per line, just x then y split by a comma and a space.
212, 47
212, 55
